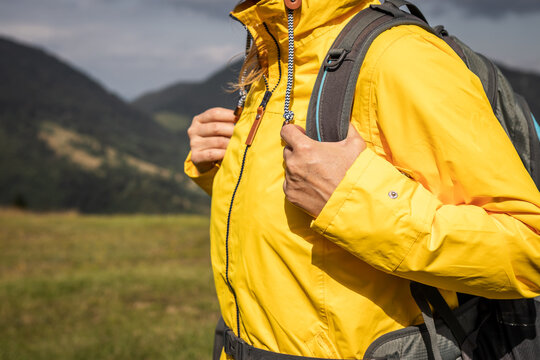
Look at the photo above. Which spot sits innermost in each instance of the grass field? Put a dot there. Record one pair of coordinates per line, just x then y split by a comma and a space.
105, 287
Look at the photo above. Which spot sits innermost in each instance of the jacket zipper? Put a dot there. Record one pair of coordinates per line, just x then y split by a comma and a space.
227, 242
249, 141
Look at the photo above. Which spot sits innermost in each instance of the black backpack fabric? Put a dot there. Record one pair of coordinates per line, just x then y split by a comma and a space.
480, 328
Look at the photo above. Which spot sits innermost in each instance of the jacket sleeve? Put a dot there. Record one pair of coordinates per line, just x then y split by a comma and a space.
440, 196
204, 180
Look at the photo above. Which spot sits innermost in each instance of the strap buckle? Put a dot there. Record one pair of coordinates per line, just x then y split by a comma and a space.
234, 346
440, 31
389, 9
334, 58
392, 8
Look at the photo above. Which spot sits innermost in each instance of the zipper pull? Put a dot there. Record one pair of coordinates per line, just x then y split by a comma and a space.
255, 126
237, 113
260, 113
240, 105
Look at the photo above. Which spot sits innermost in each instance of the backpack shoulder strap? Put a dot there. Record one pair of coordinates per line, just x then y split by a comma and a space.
331, 101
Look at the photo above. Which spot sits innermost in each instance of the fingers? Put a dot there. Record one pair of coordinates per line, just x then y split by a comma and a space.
293, 135
212, 122
209, 135
215, 129
295, 138
287, 152
216, 114
207, 156
205, 151
214, 142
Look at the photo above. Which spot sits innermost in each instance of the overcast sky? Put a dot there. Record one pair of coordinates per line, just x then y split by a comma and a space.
134, 46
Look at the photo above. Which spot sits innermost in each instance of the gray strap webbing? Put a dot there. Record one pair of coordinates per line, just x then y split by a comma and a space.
420, 299
331, 101
534, 146
219, 339
329, 86
434, 297
410, 6
441, 32
238, 349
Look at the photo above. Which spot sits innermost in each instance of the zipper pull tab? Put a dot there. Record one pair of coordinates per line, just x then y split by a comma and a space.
255, 126
260, 113
237, 113
293, 4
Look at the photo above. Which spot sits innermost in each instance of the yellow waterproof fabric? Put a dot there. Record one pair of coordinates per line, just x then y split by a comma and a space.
466, 218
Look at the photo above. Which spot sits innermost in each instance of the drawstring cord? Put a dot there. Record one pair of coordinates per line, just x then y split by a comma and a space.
288, 115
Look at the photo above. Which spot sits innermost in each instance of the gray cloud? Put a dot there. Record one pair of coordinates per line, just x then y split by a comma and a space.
131, 45
475, 8
492, 9
214, 8
220, 8
498, 8
136, 45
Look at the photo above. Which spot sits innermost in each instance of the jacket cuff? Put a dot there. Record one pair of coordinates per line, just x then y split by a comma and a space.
376, 212
205, 179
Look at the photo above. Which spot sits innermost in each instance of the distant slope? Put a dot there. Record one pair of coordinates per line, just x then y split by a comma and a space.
190, 99
527, 84
65, 142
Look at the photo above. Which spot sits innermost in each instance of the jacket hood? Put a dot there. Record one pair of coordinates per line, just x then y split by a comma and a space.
311, 15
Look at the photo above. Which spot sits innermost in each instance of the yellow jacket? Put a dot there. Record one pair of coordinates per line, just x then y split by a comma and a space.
467, 215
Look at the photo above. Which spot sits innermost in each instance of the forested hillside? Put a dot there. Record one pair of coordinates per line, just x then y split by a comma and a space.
65, 142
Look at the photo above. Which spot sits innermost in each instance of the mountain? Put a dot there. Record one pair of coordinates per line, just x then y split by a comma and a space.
65, 142
188, 99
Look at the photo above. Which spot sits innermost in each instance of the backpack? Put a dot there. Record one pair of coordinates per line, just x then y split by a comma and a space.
479, 328
344, 59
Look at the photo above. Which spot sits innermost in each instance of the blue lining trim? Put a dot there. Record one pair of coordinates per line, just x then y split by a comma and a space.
318, 103
536, 126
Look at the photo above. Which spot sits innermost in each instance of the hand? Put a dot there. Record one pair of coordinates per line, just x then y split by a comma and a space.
209, 135
313, 169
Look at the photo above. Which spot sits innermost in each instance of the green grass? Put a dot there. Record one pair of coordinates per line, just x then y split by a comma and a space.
97, 287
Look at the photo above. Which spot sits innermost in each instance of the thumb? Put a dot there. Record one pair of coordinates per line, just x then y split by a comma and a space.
352, 133
302, 130
293, 134
354, 138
